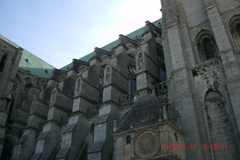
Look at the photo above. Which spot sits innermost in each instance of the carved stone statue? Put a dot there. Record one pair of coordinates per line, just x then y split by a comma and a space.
108, 74
78, 85
53, 96
140, 61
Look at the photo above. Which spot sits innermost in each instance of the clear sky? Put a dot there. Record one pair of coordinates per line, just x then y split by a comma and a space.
59, 30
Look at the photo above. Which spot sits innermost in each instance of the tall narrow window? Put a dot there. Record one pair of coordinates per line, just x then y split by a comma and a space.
160, 53
208, 48
133, 85
2, 63
163, 75
128, 139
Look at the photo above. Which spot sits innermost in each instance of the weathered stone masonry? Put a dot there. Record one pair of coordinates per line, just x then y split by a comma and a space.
174, 81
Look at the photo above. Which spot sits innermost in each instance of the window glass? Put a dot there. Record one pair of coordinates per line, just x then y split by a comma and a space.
162, 73
208, 48
133, 85
128, 139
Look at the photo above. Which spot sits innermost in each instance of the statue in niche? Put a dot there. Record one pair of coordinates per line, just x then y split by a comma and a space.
108, 74
78, 85
140, 61
53, 96
33, 103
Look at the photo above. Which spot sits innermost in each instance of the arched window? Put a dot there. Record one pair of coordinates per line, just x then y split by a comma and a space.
2, 63
234, 25
128, 140
206, 46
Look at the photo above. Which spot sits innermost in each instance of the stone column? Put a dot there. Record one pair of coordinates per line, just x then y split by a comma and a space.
180, 87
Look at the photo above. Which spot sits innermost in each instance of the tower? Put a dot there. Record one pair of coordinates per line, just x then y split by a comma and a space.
200, 42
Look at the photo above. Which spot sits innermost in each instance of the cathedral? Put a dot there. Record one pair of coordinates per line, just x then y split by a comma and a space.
167, 91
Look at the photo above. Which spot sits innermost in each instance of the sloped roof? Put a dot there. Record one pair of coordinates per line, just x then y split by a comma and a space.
38, 67
32, 63
108, 47
146, 111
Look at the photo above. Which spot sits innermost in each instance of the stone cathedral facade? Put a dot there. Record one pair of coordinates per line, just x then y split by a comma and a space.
168, 91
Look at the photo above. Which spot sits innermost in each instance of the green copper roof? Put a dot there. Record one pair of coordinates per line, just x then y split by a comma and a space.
38, 67
108, 47
35, 65
32, 63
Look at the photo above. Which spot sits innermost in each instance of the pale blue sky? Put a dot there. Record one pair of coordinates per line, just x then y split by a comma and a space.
59, 30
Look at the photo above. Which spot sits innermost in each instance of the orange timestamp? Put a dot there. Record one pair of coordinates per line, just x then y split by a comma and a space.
195, 146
